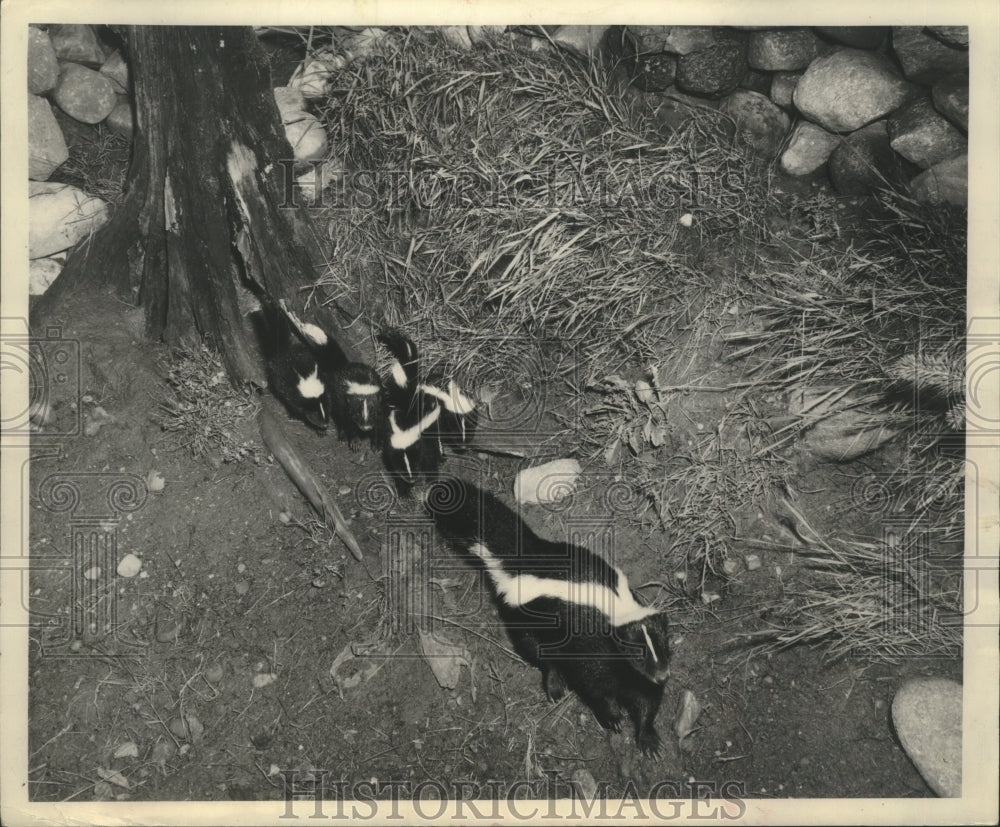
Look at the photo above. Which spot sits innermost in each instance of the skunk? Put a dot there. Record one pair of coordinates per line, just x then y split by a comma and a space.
458, 414
567, 610
313, 376
411, 449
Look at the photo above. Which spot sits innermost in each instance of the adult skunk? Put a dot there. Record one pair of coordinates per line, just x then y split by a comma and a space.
309, 371
411, 448
567, 610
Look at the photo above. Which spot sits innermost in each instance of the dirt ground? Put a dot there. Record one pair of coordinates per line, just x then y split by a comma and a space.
210, 678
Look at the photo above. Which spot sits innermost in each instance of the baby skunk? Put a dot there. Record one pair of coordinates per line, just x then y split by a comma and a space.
312, 375
566, 609
411, 449
293, 362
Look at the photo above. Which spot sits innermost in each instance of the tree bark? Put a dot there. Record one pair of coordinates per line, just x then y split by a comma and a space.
205, 217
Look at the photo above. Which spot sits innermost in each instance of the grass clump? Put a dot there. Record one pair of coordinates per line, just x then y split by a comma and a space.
213, 418
521, 196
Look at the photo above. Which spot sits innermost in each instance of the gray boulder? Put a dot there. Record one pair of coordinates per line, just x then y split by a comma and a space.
849, 88
808, 149
77, 43
679, 40
927, 715
59, 216
41, 273
957, 36
950, 96
925, 58
783, 87
46, 144
714, 71
655, 73
115, 69
120, 120
921, 135
857, 37
43, 68
763, 123
864, 162
84, 94
944, 183
782, 50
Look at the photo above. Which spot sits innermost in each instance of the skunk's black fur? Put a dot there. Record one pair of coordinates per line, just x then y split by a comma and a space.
308, 370
411, 450
567, 610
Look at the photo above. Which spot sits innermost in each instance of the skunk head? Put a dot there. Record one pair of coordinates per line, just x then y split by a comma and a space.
360, 393
306, 393
646, 642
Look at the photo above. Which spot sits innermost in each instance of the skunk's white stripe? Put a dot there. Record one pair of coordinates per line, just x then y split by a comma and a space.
361, 389
649, 642
311, 386
400, 439
454, 400
520, 589
315, 333
398, 374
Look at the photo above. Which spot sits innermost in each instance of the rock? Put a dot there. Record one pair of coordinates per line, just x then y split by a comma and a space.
214, 673
128, 749
688, 710
84, 94
115, 69
582, 40
927, 715
763, 123
808, 149
456, 36
41, 273
291, 104
752, 562
714, 71
864, 161
46, 144
76, 42
921, 135
155, 481
858, 37
679, 40
925, 58
783, 87
655, 73
319, 177
956, 36
846, 435
43, 68
312, 76
129, 566
848, 89
951, 98
59, 216
756, 81
547, 483
584, 784
307, 138
484, 34
946, 182
782, 49
120, 120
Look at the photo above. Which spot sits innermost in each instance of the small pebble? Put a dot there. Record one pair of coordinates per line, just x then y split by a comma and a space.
213, 674
242, 587
129, 566
285, 517
241, 568
686, 220
263, 679
155, 481
752, 561
127, 750
729, 566
92, 573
